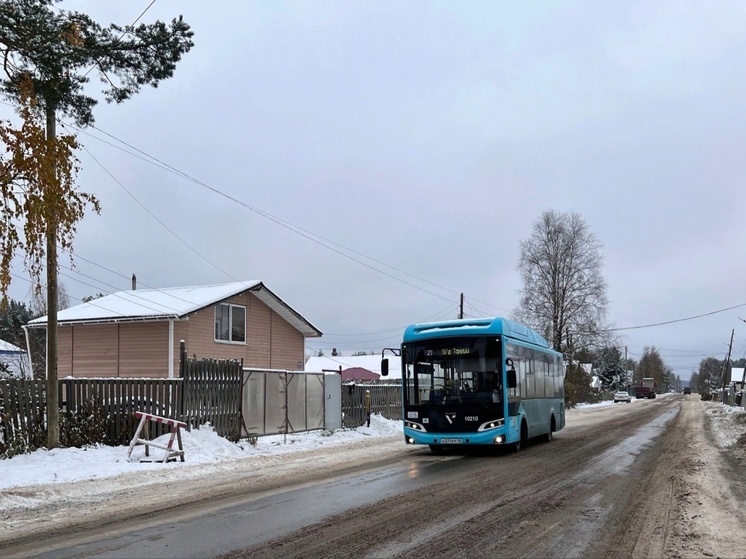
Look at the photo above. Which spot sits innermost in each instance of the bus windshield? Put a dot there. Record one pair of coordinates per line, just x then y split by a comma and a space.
453, 371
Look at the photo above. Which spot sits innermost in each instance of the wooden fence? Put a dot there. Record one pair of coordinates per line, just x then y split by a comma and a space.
212, 393
22, 412
103, 410
385, 399
112, 403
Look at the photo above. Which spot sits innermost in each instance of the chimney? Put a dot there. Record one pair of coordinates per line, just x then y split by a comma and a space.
334, 352
134, 282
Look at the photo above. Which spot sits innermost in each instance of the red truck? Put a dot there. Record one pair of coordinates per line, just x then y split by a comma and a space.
646, 388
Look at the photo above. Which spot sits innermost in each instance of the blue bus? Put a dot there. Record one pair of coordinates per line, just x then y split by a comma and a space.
485, 381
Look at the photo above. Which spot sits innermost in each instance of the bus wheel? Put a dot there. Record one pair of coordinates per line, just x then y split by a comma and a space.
437, 448
549, 436
524, 437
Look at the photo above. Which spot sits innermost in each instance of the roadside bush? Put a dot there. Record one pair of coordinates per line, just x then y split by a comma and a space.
85, 427
706, 396
14, 442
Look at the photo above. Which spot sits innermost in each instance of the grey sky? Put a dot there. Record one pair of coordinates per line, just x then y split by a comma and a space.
429, 136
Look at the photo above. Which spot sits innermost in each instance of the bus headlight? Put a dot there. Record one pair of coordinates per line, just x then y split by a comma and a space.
414, 426
499, 439
494, 424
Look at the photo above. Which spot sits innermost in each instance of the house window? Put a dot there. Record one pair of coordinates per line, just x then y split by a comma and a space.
230, 323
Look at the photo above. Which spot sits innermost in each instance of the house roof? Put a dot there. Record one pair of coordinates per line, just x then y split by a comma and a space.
358, 373
370, 362
7, 347
173, 303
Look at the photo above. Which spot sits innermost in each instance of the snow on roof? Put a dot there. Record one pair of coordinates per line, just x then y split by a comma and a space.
369, 362
173, 303
7, 347
15, 360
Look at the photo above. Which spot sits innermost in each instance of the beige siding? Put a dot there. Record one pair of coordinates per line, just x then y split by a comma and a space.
259, 334
90, 350
181, 332
271, 341
64, 352
287, 345
143, 350
201, 341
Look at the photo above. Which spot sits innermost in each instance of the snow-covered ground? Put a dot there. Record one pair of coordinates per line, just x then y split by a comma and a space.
203, 447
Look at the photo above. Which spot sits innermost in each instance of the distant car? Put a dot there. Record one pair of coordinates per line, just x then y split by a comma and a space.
622, 396
687, 390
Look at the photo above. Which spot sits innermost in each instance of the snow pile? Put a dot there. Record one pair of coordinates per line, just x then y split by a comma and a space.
728, 424
201, 446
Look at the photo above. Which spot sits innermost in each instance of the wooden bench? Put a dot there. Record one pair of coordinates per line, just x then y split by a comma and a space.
176, 427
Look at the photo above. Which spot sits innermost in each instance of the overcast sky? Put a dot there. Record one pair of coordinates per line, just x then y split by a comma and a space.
370, 161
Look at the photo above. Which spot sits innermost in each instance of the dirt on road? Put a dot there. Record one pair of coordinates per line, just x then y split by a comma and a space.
629, 482
658, 478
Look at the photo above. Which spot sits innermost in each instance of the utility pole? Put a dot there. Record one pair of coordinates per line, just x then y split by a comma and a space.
53, 409
461, 307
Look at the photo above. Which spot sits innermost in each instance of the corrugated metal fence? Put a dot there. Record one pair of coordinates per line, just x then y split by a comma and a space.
281, 402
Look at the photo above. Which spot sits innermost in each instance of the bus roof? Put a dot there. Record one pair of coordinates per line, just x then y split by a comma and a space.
494, 326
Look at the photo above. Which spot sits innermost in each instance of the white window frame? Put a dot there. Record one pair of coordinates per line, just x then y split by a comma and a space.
230, 340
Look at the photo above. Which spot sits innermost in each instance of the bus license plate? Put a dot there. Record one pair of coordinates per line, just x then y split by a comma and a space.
450, 441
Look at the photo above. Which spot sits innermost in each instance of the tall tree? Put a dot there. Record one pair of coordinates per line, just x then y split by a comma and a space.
55, 50
563, 292
608, 364
13, 316
651, 365
39, 304
710, 371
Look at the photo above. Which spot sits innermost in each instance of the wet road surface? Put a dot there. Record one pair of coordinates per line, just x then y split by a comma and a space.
583, 494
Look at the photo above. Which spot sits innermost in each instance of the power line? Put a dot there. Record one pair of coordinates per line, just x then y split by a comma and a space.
674, 321
127, 30
313, 237
182, 241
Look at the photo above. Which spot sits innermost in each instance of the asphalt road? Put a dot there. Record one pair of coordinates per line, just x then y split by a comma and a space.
602, 487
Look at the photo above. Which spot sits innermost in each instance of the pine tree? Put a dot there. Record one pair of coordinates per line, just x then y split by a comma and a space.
48, 54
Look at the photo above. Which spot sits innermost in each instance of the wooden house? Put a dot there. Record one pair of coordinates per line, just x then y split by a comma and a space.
136, 334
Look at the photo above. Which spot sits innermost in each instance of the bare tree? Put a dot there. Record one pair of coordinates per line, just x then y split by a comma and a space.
652, 366
564, 292
39, 306
710, 370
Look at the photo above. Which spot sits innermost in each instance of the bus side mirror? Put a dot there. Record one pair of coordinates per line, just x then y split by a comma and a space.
384, 367
512, 379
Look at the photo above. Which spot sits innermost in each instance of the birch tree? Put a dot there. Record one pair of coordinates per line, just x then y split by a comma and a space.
563, 293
